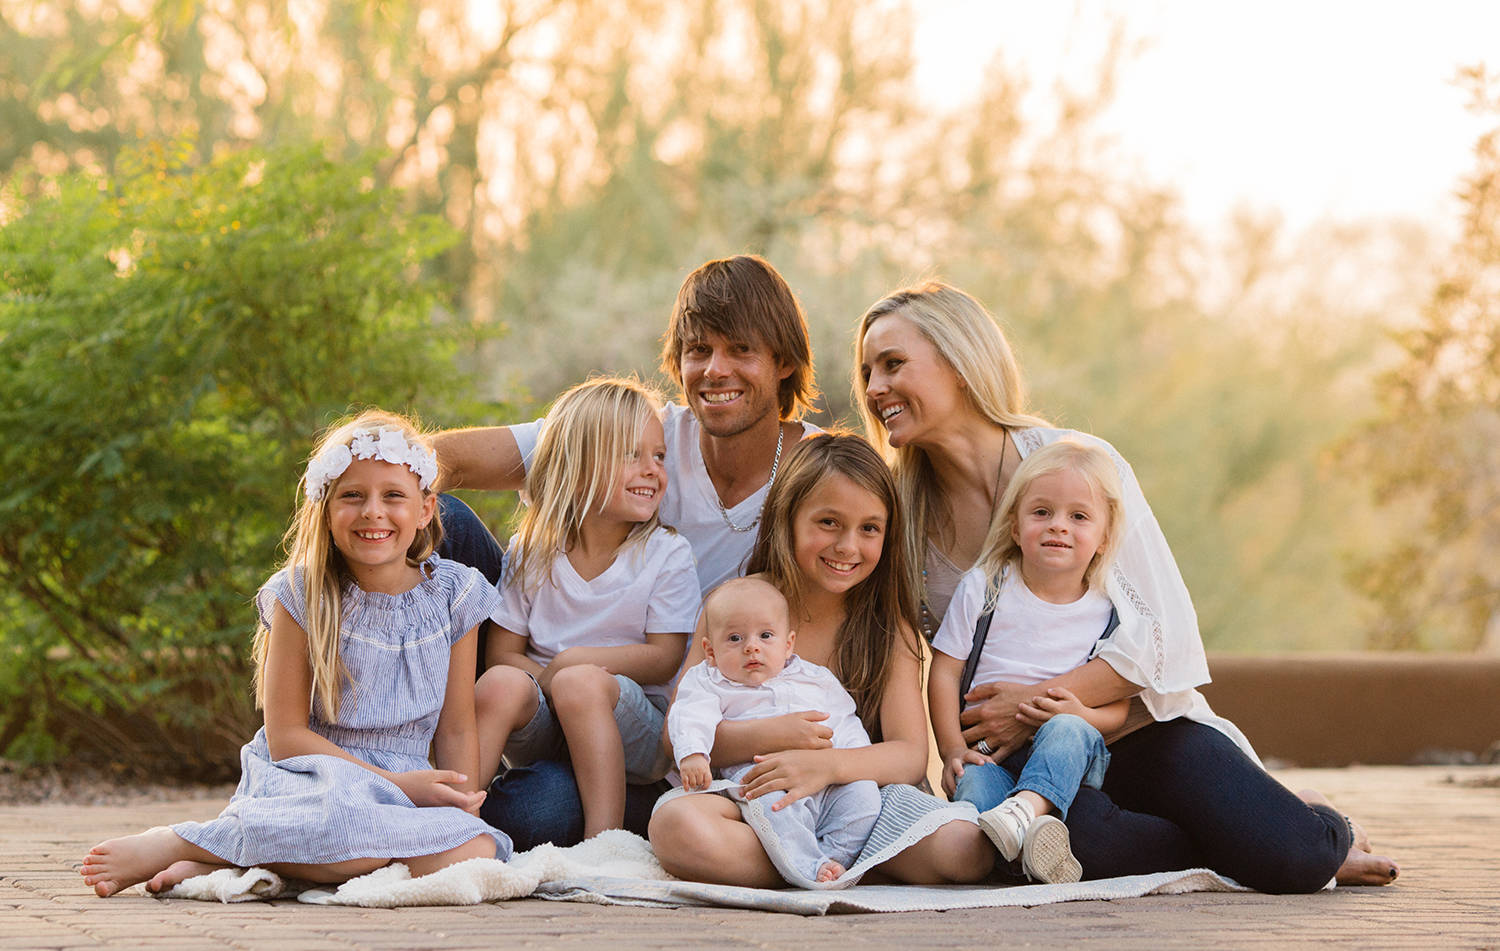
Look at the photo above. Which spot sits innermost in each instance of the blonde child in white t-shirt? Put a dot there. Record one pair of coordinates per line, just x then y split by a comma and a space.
600, 599
1040, 575
749, 673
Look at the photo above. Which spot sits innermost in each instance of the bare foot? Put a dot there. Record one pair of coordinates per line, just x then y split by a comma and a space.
1362, 868
829, 871
1314, 798
179, 872
117, 864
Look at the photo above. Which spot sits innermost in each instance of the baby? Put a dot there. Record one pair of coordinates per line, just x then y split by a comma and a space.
750, 673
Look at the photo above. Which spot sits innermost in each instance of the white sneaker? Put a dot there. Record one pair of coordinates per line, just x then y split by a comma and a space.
1047, 853
1007, 825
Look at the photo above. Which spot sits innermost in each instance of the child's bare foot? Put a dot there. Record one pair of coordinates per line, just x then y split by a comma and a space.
117, 864
179, 872
829, 871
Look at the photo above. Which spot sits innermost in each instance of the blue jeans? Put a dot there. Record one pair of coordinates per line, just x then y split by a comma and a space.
1180, 794
1066, 753
539, 803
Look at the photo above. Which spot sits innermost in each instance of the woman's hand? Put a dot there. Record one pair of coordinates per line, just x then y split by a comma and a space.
994, 715
953, 768
434, 787
798, 773
803, 730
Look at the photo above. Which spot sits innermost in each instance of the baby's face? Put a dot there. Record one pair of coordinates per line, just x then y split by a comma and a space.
748, 639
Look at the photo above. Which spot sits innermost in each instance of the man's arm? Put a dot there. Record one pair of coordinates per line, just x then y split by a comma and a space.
484, 457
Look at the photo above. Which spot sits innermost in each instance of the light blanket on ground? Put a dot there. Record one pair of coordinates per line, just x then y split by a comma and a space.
618, 868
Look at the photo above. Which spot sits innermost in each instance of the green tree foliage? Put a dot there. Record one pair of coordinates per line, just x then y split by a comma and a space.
1434, 453
171, 339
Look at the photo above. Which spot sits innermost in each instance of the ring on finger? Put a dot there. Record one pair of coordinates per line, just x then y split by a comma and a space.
984, 747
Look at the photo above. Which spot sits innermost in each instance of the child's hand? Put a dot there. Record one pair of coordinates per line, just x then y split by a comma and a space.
435, 787
953, 767
695, 772
1058, 700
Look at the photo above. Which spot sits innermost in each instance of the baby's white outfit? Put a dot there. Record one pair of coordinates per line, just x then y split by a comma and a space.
831, 824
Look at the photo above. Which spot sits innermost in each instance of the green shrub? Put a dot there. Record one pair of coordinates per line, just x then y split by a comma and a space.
171, 339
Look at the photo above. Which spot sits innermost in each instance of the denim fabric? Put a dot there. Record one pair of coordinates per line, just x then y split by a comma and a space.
1180, 794
1065, 753
467, 540
539, 803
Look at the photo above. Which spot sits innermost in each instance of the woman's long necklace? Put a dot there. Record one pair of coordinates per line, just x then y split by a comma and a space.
928, 630
775, 464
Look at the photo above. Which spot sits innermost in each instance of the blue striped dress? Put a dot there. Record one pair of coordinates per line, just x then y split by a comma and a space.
318, 809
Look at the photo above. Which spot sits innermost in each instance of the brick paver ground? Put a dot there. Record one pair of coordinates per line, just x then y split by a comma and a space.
1441, 823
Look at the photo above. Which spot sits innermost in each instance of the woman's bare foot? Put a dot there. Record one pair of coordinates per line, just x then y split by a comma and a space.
1314, 798
116, 864
1362, 868
179, 872
829, 871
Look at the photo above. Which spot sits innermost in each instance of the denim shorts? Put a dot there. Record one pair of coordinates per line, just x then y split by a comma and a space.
639, 716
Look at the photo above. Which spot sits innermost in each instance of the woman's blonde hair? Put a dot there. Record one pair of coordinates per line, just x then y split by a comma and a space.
312, 555
1096, 467
880, 609
590, 432
968, 338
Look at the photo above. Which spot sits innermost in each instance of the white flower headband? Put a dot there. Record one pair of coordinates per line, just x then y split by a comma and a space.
387, 445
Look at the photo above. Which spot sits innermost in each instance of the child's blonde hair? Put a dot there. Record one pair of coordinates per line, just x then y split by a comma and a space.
324, 572
589, 433
878, 608
1097, 468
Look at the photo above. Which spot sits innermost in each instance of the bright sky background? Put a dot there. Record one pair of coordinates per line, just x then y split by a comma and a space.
1318, 109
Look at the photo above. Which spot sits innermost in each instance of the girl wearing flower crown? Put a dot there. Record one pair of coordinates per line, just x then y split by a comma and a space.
364, 658
599, 601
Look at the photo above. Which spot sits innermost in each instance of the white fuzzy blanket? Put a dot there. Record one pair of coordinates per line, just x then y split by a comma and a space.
618, 868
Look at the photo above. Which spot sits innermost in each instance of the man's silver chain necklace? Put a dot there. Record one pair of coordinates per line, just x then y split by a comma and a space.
780, 434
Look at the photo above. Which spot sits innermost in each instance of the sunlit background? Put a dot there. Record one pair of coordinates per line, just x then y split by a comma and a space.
1253, 245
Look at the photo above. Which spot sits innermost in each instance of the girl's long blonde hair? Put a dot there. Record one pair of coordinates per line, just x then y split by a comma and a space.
589, 433
1097, 468
312, 555
968, 338
878, 608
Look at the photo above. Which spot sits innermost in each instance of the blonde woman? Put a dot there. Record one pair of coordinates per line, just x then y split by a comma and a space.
941, 393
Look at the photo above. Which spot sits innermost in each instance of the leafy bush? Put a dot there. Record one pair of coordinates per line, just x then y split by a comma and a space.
171, 338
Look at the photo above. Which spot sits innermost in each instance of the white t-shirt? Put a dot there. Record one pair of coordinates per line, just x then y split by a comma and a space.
649, 589
1030, 640
705, 697
690, 504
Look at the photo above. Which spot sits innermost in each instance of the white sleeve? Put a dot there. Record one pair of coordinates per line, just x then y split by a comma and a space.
955, 636
514, 612
848, 732
527, 435
1157, 644
675, 598
694, 715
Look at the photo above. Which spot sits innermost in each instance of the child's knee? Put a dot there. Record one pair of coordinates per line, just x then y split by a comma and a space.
503, 689
1070, 727
584, 686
